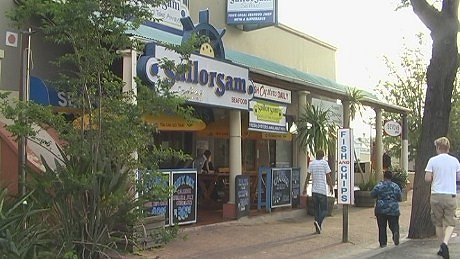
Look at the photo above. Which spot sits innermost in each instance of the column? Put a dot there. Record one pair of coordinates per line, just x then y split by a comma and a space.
404, 143
378, 143
129, 71
229, 210
302, 153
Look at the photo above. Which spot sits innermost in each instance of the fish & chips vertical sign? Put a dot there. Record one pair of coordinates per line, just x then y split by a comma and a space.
260, 12
345, 178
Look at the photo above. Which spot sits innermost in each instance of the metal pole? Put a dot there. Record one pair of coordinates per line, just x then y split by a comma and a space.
345, 223
24, 97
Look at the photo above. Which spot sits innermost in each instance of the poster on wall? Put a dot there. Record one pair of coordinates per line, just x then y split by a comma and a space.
281, 187
267, 116
251, 12
184, 199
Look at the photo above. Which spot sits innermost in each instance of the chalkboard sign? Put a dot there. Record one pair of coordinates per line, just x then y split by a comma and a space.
158, 207
242, 193
281, 187
295, 187
183, 207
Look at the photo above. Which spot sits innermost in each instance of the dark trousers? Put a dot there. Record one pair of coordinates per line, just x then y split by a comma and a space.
393, 223
320, 206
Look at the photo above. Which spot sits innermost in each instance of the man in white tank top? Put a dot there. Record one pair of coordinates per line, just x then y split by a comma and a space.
442, 171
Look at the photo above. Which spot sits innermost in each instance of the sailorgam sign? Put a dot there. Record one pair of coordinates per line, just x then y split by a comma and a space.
392, 128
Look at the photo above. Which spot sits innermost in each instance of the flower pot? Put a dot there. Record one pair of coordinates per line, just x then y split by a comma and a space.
364, 199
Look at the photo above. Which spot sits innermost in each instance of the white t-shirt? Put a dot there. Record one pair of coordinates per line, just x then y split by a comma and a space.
318, 170
444, 168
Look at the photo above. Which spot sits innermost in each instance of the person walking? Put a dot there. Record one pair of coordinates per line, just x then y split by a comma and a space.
442, 171
321, 177
388, 195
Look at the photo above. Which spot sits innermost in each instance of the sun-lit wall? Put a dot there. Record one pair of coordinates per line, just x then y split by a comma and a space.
279, 43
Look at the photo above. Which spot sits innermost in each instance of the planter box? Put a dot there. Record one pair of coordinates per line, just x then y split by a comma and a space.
364, 199
311, 208
148, 233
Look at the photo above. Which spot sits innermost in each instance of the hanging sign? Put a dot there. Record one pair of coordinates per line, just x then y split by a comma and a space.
267, 116
392, 128
272, 93
345, 177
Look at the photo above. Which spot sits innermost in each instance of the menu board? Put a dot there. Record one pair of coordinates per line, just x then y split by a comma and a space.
160, 207
296, 187
281, 187
183, 207
242, 193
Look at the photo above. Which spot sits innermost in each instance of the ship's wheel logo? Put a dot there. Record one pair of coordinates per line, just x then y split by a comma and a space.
215, 48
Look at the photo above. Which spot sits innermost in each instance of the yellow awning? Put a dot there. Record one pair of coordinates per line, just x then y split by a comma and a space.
174, 122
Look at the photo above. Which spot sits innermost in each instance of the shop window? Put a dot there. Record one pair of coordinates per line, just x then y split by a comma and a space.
249, 155
221, 153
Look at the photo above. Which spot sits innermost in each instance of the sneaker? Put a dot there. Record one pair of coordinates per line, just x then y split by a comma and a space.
396, 238
317, 227
444, 251
382, 246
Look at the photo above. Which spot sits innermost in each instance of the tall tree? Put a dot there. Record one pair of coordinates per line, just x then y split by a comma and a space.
443, 24
89, 194
406, 87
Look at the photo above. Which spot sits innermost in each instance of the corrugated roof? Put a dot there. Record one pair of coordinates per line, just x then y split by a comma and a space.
267, 67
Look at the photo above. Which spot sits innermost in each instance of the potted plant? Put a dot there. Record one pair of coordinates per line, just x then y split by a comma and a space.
316, 131
363, 196
400, 177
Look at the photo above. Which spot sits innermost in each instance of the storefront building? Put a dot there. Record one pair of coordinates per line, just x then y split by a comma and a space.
249, 85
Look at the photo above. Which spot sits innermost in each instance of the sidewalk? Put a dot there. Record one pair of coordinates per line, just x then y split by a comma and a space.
291, 234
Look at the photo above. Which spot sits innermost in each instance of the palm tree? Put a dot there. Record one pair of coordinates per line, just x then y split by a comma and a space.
315, 130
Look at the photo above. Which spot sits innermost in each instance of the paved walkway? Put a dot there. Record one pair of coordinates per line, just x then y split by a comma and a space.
290, 234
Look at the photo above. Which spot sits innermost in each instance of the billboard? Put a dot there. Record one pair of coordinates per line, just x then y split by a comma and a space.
251, 12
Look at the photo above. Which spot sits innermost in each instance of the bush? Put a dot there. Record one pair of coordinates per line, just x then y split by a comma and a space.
400, 177
16, 241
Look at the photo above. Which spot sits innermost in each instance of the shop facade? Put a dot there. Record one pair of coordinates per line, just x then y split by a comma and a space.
247, 86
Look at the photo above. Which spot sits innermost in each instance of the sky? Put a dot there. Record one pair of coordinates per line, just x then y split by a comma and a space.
362, 30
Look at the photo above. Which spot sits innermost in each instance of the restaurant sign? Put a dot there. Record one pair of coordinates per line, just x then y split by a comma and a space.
345, 166
261, 12
208, 81
267, 116
168, 14
272, 93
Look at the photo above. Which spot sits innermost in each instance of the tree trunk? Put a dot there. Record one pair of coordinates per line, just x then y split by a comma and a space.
440, 80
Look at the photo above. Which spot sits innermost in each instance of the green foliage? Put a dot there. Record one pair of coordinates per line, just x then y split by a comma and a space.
90, 195
368, 185
400, 177
16, 241
315, 129
406, 87
355, 97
